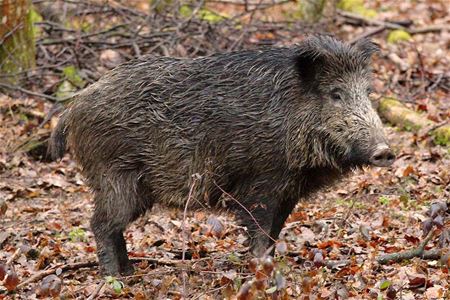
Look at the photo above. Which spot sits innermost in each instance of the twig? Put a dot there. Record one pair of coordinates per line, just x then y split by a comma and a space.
399, 256
431, 28
246, 29
438, 125
367, 34
166, 262
392, 25
14, 256
435, 83
364, 20
195, 177
97, 291
90, 264
25, 91
84, 36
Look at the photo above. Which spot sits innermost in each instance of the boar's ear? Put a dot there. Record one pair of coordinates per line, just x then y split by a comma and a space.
308, 64
366, 48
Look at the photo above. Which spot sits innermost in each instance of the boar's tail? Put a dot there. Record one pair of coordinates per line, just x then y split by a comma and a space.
57, 141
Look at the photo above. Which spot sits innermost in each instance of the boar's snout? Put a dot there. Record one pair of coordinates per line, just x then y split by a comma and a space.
382, 156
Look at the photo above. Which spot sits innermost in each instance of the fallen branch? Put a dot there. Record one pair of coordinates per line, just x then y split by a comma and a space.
97, 291
367, 21
409, 254
31, 93
392, 25
431, 28
90, 264
14, 256
66, 267
367, 34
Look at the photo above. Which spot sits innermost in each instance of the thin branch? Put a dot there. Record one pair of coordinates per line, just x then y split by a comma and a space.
90, 264
66, 267
368, 33
364, 20
195, 177
392, 25
28, 92
408, 254
97, 290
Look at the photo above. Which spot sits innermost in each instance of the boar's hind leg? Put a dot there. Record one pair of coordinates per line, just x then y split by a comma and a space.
111, 248
113, 212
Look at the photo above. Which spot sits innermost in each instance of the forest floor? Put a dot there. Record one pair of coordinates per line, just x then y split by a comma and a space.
331, 246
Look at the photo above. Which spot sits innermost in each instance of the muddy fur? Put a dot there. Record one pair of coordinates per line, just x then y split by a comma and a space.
269, 127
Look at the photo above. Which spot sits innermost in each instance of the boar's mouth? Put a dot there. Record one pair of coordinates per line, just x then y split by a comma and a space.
378, 156
356, 158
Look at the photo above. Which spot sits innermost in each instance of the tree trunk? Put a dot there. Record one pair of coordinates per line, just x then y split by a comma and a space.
17, 48
312, 10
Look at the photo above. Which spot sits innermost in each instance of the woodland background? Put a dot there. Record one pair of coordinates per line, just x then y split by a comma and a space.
379, 234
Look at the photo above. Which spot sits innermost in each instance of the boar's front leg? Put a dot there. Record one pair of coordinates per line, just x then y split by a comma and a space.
283, 211
264, 218
257, 216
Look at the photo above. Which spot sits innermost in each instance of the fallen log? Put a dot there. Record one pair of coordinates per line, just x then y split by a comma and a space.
398, 114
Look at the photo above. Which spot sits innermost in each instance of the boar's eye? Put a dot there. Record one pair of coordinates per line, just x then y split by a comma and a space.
336, 95
369, 90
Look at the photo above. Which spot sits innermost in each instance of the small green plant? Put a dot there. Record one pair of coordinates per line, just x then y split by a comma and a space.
385, 284
72, 82
115, 284
383, 200
232, 257
77, 235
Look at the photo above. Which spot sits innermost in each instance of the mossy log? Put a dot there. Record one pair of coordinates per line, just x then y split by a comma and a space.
398, 114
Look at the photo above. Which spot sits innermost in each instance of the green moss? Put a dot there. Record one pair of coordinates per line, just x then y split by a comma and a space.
398, 35
357, 7
441, 135
185, 11
366, 12
34, 17
210, 16
386, 103
203, 14
349, 5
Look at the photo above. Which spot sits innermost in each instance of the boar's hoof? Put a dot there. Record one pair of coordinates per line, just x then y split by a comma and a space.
259, 247
127, 269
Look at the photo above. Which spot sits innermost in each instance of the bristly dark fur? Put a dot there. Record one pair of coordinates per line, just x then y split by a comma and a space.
260, 124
